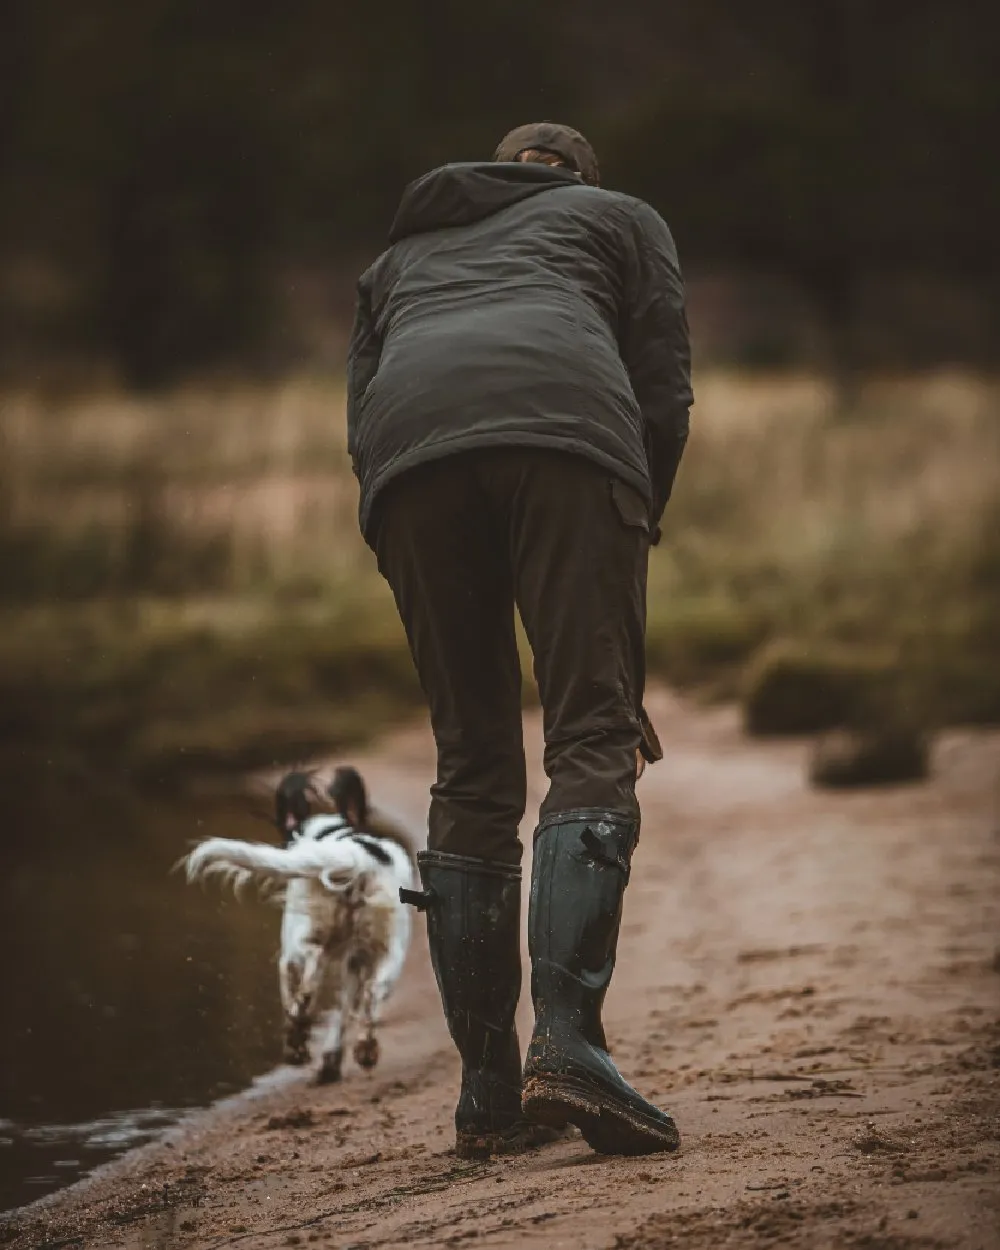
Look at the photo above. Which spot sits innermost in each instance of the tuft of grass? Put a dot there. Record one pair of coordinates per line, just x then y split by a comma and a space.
793, 688
846, 761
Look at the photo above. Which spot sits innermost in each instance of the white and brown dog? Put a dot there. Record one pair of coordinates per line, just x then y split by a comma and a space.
344, 933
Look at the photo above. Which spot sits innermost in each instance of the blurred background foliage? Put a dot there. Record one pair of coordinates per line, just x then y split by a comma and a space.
183, 184
187, 193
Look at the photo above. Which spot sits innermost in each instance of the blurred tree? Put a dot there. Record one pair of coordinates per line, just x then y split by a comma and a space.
161, 161
839, 140
189, 214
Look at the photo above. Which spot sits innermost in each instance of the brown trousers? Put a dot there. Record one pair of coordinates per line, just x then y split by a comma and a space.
461, 541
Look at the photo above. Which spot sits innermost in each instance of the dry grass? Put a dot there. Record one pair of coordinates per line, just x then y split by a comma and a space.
262, 476
135, 526
879, 531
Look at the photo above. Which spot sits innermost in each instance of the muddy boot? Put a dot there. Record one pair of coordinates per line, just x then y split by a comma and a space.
473, 911
578, 879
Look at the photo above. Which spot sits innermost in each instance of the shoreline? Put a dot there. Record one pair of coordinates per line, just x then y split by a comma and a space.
277, 1080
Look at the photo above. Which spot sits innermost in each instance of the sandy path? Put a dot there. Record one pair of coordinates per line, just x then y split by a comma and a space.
810, 982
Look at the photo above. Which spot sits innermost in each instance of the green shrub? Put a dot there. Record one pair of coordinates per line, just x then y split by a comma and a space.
848, 760
793, 688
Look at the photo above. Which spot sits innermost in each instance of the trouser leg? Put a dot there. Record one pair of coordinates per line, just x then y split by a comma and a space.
445, 555
579, 548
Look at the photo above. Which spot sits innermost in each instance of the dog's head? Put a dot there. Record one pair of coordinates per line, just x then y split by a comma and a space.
347, 790
292, 804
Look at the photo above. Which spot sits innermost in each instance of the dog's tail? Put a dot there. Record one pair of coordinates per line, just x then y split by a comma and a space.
336, 863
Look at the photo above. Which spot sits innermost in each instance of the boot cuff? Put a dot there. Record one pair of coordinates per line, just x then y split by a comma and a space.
468, 864
589, 815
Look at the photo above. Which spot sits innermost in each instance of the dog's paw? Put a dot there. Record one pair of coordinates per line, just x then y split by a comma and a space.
296, 1048
366, 1052
329, 1070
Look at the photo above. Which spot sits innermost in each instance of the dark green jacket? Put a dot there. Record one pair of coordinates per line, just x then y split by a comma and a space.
518, 307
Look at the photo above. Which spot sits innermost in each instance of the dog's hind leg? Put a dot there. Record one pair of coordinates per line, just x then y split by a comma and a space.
389, 967
357, 977
289, 976
376, 982
300, 978
296, 1048
376, 986
333, 1049
366, 1048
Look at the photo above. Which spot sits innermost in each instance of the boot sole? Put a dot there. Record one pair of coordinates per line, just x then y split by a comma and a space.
607, 1126
523, 1138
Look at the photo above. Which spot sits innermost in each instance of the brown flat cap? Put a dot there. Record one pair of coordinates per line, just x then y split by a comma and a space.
552, 137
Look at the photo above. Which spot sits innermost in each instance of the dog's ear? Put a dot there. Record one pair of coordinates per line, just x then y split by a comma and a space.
293, 802
347, 790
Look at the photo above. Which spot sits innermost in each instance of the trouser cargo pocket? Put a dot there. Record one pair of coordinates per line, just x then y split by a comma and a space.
630, 505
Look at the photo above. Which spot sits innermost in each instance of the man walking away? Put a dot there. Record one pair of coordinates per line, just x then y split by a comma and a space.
518, 395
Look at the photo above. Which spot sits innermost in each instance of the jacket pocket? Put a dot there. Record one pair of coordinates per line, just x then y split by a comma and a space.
630, 505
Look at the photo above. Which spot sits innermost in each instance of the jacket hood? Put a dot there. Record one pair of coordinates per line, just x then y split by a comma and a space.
461, 194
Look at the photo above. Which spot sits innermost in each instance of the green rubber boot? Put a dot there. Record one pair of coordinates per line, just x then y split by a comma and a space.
578, 880
473, 909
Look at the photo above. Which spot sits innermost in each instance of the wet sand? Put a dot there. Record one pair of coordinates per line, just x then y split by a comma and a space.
809, 981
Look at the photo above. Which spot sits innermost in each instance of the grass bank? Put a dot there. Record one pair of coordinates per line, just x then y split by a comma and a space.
184, 587
869, 540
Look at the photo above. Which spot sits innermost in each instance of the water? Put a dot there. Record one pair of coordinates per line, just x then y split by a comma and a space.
126, 994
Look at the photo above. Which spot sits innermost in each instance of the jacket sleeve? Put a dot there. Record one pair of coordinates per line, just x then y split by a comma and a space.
653, 337
362, 361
